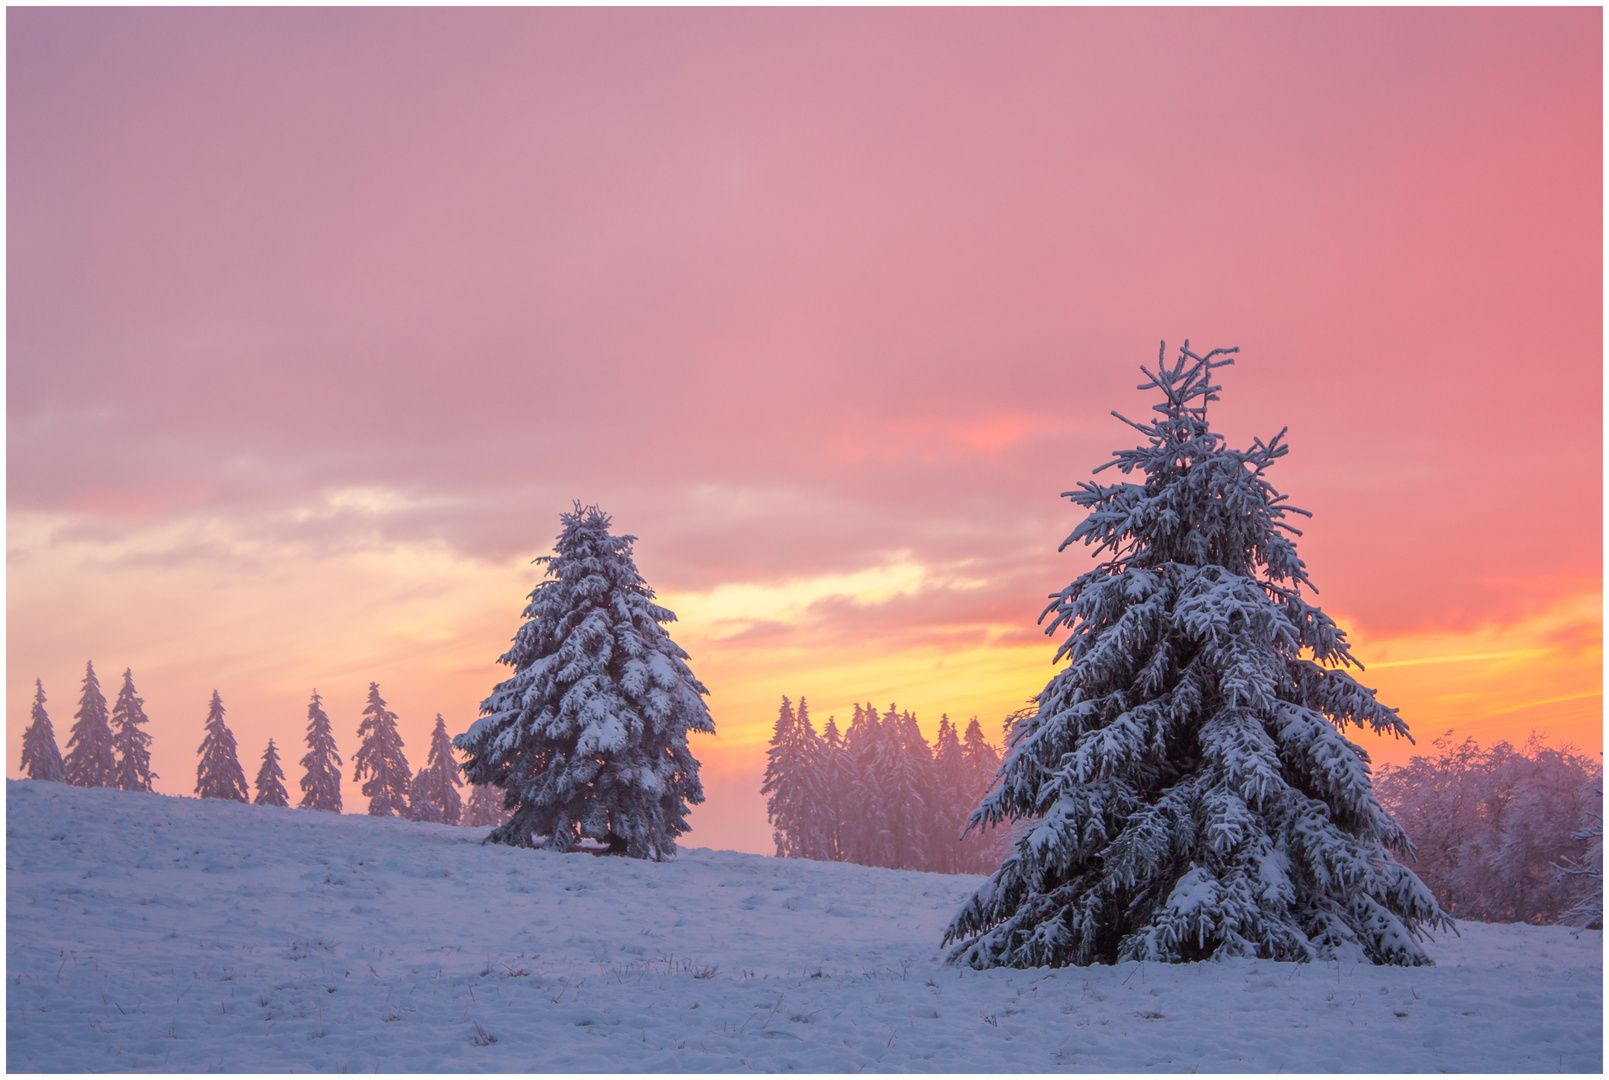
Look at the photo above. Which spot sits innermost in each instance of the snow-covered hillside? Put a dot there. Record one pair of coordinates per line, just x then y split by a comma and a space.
150, 932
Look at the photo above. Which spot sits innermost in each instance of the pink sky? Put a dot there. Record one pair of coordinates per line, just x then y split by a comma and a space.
319, 318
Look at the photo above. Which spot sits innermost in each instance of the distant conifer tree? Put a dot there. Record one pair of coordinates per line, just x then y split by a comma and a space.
909, 765
952, 799
218, 774
862, 788
435, 790
816, 806
795, 807
830, 776
41, 759
271, 780
982, 847
380, 758
485, 806
133, 744
321, 765
1184, 785
91, 756
590, 733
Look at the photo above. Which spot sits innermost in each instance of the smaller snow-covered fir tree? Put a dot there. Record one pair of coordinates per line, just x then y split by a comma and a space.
435, 790
952, 798
380, 758
982, 850
132, 743
218, 774
830, 780
41, 755
485, 806
41, 758
321, 765
909, 783
1186, 789
792, 783
271, 780
861, 789
91, 755
590, 733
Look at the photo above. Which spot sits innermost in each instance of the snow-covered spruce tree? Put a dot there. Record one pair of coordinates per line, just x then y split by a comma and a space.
830, 778
982, 850
271, 780
91, 756
41, 759
133, 745
435, 789
321, 765
951, 796
817, 812
855, 762
218, 774
906, 764
590, 733
380, 758
1189, 791
791, 782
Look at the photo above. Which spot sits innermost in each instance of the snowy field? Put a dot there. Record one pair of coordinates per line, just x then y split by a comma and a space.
150, 932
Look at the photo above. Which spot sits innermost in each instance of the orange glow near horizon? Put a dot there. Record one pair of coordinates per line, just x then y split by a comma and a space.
318, 318
433, 644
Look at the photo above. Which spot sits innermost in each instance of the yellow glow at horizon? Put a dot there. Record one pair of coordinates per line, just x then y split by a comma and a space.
264, 620
752, 602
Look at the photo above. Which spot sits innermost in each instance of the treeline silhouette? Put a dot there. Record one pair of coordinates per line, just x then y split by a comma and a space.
109, 748
878, 794
1503, 834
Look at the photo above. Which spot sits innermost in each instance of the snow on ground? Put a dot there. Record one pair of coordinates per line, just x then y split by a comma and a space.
160, 933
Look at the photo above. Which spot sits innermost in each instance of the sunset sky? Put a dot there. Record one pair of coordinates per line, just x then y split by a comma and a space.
318, 319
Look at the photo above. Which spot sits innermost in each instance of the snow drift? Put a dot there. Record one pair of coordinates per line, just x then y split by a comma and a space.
160, 933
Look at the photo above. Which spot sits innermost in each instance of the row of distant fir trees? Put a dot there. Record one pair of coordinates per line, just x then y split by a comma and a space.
879, 794
109, 748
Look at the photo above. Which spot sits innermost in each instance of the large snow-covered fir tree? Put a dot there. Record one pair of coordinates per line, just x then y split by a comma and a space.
435, 789
271, 780
590, 733
321, 765
91, 753
41, 758
218, 773
380, 758
133, 744
1185, 784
